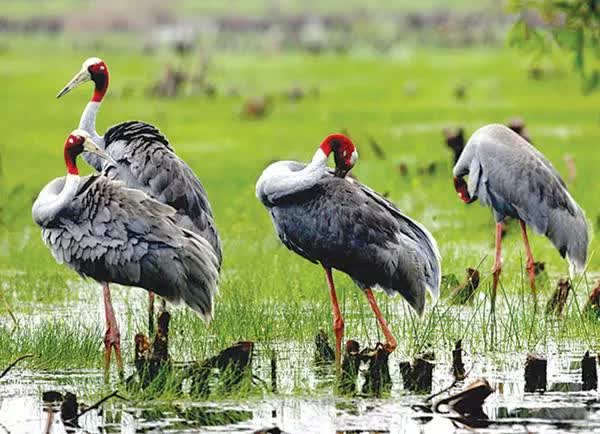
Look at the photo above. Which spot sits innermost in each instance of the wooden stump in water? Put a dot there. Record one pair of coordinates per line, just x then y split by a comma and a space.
592, 305
418, 377
69, 409
350, 366
463, 293
535, 373
323, 351
273, 372
458, 368
149, 358
469, 402
557, 302
231, 365
589, 374
377, 376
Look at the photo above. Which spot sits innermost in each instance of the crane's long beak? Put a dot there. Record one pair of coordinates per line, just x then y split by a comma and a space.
81, 77
90, 146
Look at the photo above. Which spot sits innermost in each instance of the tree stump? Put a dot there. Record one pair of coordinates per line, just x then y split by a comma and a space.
463, 293
350, 366
418, 377
535, 373
458, 368
592, 305
589, 374
557, 302
324, 354
377, 376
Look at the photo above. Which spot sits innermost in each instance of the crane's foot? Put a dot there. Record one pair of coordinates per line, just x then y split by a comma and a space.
530, 267
391, 345
112, 340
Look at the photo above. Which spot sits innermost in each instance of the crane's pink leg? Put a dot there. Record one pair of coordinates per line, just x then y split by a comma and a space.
530, 262
391, 343
338, 321
150, 314
497, 264
112, 338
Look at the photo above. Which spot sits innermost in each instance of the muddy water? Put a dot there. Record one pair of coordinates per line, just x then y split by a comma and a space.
315, 409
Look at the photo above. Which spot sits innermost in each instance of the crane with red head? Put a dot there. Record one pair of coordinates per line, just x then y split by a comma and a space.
114, 234
333, 220
143, 159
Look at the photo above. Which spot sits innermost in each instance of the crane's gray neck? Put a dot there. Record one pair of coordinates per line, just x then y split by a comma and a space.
462, 166
52, 200
88, 122
279, 180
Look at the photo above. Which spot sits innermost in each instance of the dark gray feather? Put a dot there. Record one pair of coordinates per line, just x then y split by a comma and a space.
347, 226
114, 234
145, 160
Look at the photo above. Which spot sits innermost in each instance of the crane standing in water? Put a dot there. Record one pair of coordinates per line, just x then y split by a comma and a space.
513, 178
143, 159
120, 235
331, 219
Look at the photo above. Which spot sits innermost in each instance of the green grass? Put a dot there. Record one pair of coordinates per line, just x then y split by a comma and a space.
37, 8
269, 294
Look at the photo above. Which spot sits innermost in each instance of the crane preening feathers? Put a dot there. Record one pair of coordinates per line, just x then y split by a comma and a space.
114, 234
143, 159
508, 174
342, 224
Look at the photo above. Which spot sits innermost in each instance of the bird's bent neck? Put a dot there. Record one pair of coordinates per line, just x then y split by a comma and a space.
49, 203
319, 159
278, 180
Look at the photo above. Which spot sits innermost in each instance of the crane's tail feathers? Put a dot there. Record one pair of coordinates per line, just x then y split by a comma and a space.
202, 265
569, 232
434, 278
575, 266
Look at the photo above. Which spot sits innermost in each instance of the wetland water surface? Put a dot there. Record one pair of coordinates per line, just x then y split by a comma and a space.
564, 407
304, 402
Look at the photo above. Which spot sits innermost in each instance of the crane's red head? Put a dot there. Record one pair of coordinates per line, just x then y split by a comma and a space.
93, 69
344, 152
460, 185
77, 142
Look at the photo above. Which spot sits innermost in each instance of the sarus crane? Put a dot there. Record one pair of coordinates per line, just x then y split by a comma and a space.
114, 234
331, 219
508, 174
143, 158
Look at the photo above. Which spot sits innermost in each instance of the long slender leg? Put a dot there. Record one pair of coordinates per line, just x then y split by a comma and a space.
497, 264
391, 343
150, 314
530, 262
338, 321
112, 338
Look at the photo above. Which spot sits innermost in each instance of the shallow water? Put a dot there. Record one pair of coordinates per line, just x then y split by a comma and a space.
319, 411
305, 402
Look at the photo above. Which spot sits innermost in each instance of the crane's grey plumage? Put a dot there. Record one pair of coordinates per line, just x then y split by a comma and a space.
115, 234
345, 225
516, 180
144, 160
